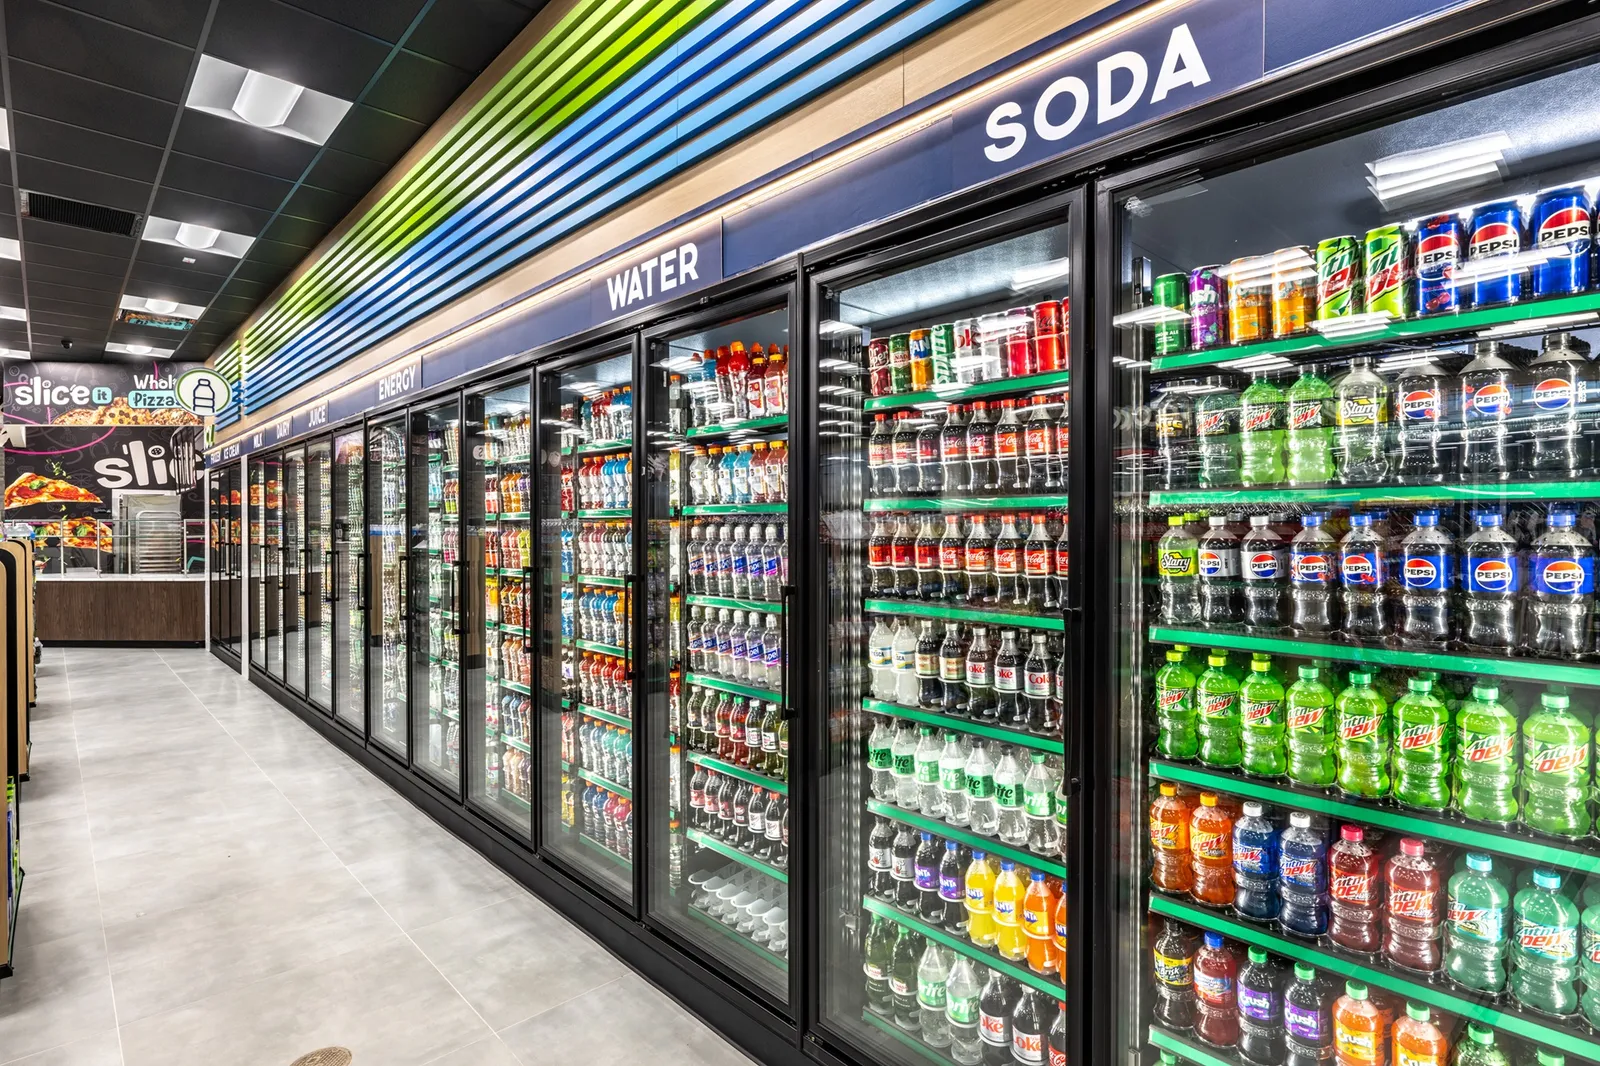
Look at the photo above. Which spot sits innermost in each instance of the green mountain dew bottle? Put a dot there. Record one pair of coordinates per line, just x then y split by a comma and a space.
1217, 696
1555, 769
1589, 963
1421, 747
1363, 744
1272, 670
1486, 758
1308, 710
1261, 708
1310, 430
1475, 926
1544, 946
1479, 1048
1177, 733
1261, 419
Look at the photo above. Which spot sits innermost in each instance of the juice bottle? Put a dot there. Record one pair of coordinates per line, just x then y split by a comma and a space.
1417, 1041
1059, 926
1170, 864
1216, 1019
1360, 1029
980, 900
1008, 891
1354, 891
1414, 909
1038, 929
1211, 851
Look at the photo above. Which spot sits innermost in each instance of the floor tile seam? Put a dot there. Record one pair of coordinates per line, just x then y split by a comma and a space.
561, 1003
492, 1036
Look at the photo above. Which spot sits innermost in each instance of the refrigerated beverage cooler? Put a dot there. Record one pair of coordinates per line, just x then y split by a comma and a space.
1356, 660
387, 629
438, 570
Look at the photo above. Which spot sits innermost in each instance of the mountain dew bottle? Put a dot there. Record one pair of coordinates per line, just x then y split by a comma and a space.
1421, 747
1555, 769
1261, 708
1308, 712
1544, 946
1177, 732
1486, 758
1309, 459
1363, 743
1217, 696
1589, 963
1478, 914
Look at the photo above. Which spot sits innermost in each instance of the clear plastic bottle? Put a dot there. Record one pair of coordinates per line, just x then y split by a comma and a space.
930, 800
880, 658
904, 656
1012, 824
933, 977
905, 766
953, 779
1178, 570
982, 812
1362, 397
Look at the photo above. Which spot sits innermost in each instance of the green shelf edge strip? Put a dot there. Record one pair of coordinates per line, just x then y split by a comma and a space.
734, 687
604, 512
1519, 1025
953, 504
1054, 989
603, 649
1517, 847
609, 785
594, 845
1160, 1038
981, 843
917, 609
769, 783
963, 725
599, 447
1005, 386
1448, 663
743, 941
506, 793
592, 579
706, 840
1499, 492
1411, 329
906, 1038
695, 599
604, 716
520, 745
734, 508
749, 425
514, 687
496, 516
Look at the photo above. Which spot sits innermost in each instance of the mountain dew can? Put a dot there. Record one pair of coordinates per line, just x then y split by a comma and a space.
1340, 289
1386, 255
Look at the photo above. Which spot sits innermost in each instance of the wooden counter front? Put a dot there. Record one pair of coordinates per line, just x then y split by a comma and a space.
121, 610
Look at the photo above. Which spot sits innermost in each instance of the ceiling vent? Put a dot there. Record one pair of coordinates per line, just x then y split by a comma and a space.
48, 208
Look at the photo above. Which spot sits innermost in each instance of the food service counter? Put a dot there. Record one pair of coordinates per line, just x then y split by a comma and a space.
91, 608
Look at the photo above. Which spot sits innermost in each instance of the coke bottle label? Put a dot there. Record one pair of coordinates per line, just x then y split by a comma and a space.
952, 447
1036, 562
952, 668
1061, 562
1553, 394
931, 994
1357, 726
950, 558
1309, 568
1264, 566
1213, 988
1422, 405
1362, 568
1492, 574
1491, 401
1559, 576
1427, 572
1006, 679
1355, 889
1259, 710
993, 1028
1485, 924
1415, 903
1005, 443
927, 557
1558, 758
927, 664
878, 453
1250, 859
962, 1010
951, 889
1418, 737
1037, 439
980, 446
878, 554
900, 868
1164, 836
1302, 1023
1300, 871
1036, 683
1175, 973
978, 673
1359, 410
978, 559
927, 449
1005, 561
1058, 1057
1258, 1004
1207, 845
901, 554
1556, 942
1218, 704
1307, 414
1063, 437
1491, 748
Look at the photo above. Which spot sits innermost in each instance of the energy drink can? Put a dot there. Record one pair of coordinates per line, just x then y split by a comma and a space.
1441, 248
1496, 231
1560, 225
1208, 325
1386, 260
1339, 288
1172, 291
1249, 301
942, 339
1294, 291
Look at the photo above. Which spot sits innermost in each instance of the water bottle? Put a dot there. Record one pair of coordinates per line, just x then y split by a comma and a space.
1311, 556
1421, 417
1362, 400
1264, 574
1363, 578
905, 766
1561, 587
1303, 878
953, 779
982, 812
1490, 578
1219, 574
1427, 570
1488, 413
1557, 384
1177, 564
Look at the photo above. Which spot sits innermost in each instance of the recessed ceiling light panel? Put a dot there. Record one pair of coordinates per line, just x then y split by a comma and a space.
156, 306
196, 238
240, 94
10, 248
13, 314
143, 351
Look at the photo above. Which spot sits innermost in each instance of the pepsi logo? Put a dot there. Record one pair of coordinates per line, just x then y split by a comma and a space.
1493, 399
1437, 255
1360, 570
1264, 565
1420, 404
1211, 564
1310, 568
1493, 575
1563, 575
1495, 238
1568, 226
1553, 394
1420, 571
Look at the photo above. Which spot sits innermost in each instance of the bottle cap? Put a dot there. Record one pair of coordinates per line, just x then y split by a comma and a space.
1561, 519
1217, 521
1480, 1035
951, 845
1175, 520
1258, 520
1547, 879
1426, 518
1037, 875
979, 856
1260, 666
1008, 864
1213, 940
1208, 799
1555, 701
926, 835
1487, 519
1252, 809
1419, 684
1257, 955
1418, 1013
1312, 519
1360, 677
1300, 820
1168, 788
1216, 658
1352, 833
1361, 520
1309, 673
1168, 1059
1546, 1057
1304, 972
1485, 693
1411, 846
1355, 990
1478, 861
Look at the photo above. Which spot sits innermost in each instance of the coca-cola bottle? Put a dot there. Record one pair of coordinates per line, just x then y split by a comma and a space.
980, 565
995, 1008
980, 450
1027, 1030
1060, 566
953, 672
953, 450
930, 583
952, 560
1008, 590
930, 474
1039, 591
880, 458
929, 690
980, 676
1039, 445
903, 449
903, 557
1008, 706
1037, 685
880, 559
1007, 446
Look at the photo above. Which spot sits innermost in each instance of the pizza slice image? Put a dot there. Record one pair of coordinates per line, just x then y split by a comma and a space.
29, 489
89, 533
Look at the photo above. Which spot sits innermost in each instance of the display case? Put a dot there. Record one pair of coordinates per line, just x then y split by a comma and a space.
266, 566
387, 631
437, 571
318, 562
350, 583
292, 566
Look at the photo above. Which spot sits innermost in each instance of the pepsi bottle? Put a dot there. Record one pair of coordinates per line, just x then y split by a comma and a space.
1427, 568
1556, 388
1363, 577
1488, 412
1490, 578
1560, 590
1312, 554
1422, 418
1264, 575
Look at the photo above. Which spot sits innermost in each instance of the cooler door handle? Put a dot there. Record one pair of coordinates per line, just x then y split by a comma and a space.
627, 629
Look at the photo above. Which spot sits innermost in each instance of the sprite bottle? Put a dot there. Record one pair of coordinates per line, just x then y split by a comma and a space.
1261, 418
1217, 694
1261, 708
1421, 747
1475, 926
1486, 758
1555, 769
1308, 711
1544, 946
1177, 732
1363, 744
1310, 433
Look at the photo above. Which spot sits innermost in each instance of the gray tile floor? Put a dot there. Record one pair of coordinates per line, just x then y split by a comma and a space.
208, 881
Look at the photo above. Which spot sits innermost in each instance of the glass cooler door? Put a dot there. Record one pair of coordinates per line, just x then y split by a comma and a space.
586, 667
388, 623
436, 583
716, 691
217, 560
318, 578
272, 561
292, 519
944, 429
238, 520
350, 580
1353, 567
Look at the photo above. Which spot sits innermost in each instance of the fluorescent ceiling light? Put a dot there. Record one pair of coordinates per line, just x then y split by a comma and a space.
1153, 315
196, 237
14, 353
142, 350
13, 314
10, 248
1539, 325
1470, 161
1350, 325
5, 145
257, 99
157, 306
830, 327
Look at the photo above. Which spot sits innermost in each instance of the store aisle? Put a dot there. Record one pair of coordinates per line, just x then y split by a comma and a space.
209, 881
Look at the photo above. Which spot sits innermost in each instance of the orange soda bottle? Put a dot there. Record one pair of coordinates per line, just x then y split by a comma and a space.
980, 900
1060, 925
1211, 852
1419, 1042
1038, 930
1008, 891
1170, 869
1360, 1029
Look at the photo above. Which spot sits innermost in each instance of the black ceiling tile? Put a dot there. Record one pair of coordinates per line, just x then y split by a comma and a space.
320, 205
244, 146
70, 325
206, 269
250, 290
74, 183
417, 87
13, 334
105, 308
263, 272
70, 294
176, 20
89, 149
343, 172
468, 34
40, 90
387, 19
206, 211
51, 255
154, 288
81, 279
54, 233
268, 251
10, 268
234, 184
199, 288
8, 217
289, 43
376, 134
230, 305
296, 231
11, 292
41, 32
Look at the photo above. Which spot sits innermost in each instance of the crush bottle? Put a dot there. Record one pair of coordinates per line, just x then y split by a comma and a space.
1260, 1009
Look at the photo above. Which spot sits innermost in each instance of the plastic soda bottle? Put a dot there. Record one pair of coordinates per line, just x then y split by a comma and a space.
1308, 708
980, 900
1364, 578
1172, 959
1486, 758
1427, 576
1589, 962
1555, 769
1211, 852
1418, 1041
1421, 747
1008, 892
1360, 1028
1313, 558
1038, 931
1170, 864
1216, 415
1490, 579
1307, 1019
1260, 1010
1177, 730
1415, 908
1544, 946
1261, 422
1217, 694
1255, 865
1354, 891
1309, 459
1261, 714
1363, 744
1475, 926
1479, 1048
1303, 878
1219, 574
1363, 413
1263, 574
1561, 586
1178, 572
1216, 1018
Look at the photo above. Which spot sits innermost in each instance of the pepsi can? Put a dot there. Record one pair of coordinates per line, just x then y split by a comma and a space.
1560, 225
1441, 246
1496, 231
